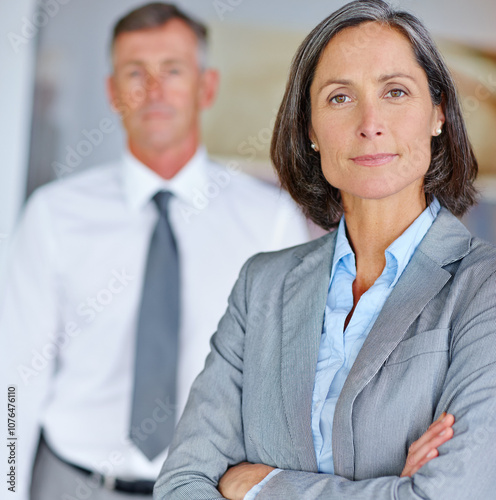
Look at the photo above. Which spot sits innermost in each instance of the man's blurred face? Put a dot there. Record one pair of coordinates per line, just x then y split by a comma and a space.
158, 86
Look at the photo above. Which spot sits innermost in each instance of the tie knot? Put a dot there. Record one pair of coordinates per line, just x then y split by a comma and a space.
161, 199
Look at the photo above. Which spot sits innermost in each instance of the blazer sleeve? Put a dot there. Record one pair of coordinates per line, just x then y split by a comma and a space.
465, 467
209, 435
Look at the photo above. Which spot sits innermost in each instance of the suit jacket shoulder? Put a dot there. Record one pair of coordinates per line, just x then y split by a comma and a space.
272, 267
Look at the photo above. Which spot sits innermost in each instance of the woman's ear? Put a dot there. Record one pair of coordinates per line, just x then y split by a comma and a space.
440, 118
313, 139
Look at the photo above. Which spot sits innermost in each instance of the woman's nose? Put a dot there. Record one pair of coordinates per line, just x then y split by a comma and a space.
370, 120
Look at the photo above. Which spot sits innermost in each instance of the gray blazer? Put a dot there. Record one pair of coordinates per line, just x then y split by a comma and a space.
432, 349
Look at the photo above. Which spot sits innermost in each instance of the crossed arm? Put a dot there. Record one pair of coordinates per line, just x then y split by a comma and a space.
240, 479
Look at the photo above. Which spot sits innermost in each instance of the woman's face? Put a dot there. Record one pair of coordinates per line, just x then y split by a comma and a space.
372, 115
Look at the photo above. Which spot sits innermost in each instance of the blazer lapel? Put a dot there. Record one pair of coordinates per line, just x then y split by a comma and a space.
422, 279
304, 299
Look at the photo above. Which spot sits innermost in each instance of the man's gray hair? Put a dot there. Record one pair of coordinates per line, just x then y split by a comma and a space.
155, 15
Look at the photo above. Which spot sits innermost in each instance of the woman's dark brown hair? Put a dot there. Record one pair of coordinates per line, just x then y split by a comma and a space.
453, 166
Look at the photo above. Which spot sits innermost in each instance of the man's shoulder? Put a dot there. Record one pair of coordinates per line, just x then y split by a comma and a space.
79, 196
92, 180
244, 187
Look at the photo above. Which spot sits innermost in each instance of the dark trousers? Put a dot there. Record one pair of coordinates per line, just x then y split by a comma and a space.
53, 479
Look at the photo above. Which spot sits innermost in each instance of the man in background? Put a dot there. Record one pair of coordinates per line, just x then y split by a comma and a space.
119, 275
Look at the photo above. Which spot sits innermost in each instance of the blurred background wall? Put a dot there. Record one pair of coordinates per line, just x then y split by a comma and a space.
55, 59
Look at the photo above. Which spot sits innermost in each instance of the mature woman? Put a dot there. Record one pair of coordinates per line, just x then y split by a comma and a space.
335, 356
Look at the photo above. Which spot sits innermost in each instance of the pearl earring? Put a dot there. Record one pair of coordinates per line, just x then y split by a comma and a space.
438, 131
314, 147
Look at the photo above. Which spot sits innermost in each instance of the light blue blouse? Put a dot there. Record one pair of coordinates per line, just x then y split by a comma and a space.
339, 347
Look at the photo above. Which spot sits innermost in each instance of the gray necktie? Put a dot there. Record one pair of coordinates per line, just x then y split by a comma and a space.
154, 399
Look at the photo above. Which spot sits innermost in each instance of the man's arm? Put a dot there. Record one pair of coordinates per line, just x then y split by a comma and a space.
28, 323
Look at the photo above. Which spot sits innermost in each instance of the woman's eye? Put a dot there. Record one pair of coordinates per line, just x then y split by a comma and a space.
395, 93
340, 99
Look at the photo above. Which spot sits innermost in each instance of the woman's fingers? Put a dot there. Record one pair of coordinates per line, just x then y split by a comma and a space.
425, 448
443, 422
428, 449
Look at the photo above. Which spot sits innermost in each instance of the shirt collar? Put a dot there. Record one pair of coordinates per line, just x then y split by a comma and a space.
399, 253
404, 247
141, 183
342, 248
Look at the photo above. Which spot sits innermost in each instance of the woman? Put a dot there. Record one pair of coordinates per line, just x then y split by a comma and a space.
335, 356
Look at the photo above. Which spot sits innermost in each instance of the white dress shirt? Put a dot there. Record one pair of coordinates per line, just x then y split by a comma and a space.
72, 291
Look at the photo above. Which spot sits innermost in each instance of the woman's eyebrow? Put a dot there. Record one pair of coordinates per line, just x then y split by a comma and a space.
384, 78
333, 81
381, 79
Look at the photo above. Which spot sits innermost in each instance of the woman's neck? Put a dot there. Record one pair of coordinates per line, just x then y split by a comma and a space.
372, 225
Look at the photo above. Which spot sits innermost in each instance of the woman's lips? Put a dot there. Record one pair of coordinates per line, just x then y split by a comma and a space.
374, 160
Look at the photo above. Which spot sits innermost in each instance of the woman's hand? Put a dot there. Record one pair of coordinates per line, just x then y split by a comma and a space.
240, 479
425, 448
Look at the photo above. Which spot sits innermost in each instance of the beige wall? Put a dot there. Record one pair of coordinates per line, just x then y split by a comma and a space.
254, 64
